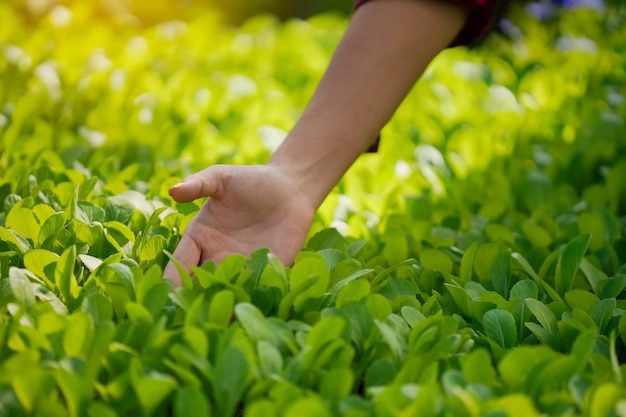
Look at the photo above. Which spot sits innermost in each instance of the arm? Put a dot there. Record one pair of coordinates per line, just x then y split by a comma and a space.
386, 48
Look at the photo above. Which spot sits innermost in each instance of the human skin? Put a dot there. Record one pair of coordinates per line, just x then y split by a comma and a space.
387, 46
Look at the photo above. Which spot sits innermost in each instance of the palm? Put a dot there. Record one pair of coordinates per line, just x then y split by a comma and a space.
250, 207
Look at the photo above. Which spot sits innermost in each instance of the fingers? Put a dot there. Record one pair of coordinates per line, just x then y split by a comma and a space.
205, 183
187, 253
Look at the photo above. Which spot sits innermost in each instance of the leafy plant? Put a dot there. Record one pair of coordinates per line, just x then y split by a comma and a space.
475, 266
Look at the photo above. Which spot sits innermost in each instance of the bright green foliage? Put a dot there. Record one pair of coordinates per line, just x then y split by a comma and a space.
475, 266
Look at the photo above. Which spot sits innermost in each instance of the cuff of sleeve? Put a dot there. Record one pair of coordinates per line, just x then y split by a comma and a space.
482, 17
374, 146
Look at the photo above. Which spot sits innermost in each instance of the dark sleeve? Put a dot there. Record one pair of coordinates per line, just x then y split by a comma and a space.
482, 17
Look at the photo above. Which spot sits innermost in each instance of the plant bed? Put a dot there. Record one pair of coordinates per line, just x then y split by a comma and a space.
476, 265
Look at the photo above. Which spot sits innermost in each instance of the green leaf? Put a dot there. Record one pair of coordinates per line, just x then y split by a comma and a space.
336, 385
261, 408
270, 359
100, 410
602, 312
379, 306
191, 401
287, 302
397, 344
395, 247
605, 398
23, 221
398, 288
255, 324
436, 260
499, 325
467, 263
308, 407
594, 275
612, 287
51, 226
16, 242
325, 239
353, 292
543, 314
79, 335
74, 390
311, 268
361, 322
221, 308
42, 263
524, 289
593, 225
569, 261
501, 274
336, 289
380, 373
582, 299
332, 257
477, 367
622, 328
537, 235
518, 365
544, 335
135, 200
21, 286
411, 315
452, 381
578, 388
152, 389
523, 263
119, 236
461, 298
64, 274
90, 262
145, 281
230, 267
326, 345
116, 212
118, 282
557, 371
484, 260
257, 261
273, 279
152, 248
98, 306
231, 373
583, 347
32, 385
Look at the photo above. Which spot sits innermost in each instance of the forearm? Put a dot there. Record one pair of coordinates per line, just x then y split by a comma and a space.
387, 46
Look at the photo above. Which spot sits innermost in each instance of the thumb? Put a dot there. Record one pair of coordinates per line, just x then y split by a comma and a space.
205, 183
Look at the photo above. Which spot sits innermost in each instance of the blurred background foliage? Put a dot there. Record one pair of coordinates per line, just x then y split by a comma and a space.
235, 11
101, 92
156, 11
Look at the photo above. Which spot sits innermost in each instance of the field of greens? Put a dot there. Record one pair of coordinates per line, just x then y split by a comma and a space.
474, 266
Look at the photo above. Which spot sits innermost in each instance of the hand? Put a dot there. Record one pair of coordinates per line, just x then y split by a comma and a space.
249, 207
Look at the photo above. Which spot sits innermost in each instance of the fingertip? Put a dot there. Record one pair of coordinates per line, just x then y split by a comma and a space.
174, 189
177, 186
201, 184
180, 192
